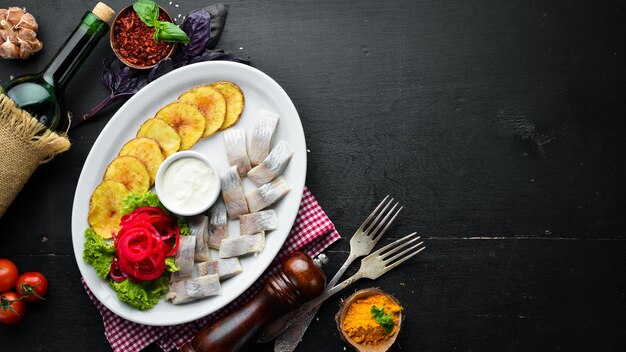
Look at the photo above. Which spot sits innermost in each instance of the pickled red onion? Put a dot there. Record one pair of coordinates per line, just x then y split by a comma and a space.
146, 236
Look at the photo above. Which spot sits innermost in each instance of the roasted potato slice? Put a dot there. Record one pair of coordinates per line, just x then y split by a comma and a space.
186, 120
234, 101
148, 151
211, 103
158, 129
105, 207
129, 171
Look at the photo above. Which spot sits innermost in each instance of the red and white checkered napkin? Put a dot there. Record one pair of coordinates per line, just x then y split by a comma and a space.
312, 232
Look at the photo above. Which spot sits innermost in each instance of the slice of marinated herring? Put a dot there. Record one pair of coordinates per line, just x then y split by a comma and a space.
184, 258
262, 137
232, 192
192, 289
199, 227
235, 141
273, 166
225, 268
252, 223
218, 227
240, 245
267, 194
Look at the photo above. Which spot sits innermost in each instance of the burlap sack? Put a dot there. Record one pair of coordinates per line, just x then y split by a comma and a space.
22, 149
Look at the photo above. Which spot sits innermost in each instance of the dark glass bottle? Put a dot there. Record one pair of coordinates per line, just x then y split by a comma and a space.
41, 93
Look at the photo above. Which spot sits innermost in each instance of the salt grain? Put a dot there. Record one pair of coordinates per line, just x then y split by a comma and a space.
176, 5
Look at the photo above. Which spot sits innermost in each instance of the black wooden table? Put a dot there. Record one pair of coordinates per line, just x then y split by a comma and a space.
500, 126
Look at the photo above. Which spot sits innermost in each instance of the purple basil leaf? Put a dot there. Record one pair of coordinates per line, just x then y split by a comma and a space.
122, 83
218, 12
197, 26
210, 55
108, 74
120, 79
114, 74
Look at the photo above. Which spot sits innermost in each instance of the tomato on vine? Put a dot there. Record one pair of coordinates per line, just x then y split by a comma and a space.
8, 275
32, 286
12, 308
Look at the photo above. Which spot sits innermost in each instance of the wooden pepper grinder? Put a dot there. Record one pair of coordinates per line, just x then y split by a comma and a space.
299, 280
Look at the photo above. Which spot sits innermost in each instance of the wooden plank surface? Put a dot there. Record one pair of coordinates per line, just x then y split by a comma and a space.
499, 125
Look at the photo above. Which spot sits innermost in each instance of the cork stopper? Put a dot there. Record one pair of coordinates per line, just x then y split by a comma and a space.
104, 12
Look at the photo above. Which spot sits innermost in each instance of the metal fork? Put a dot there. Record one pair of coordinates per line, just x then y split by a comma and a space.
361, 243
372, 267
378, 263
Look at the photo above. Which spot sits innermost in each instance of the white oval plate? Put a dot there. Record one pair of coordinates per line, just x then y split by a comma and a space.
261, 93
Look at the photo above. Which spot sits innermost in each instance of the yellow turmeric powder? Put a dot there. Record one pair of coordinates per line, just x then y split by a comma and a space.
360, 325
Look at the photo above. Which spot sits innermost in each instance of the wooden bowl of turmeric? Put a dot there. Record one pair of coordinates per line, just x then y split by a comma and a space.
370, 320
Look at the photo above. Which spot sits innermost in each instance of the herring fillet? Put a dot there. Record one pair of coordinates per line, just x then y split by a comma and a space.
199, 227
184, 258
232, 192
272, 166
252, 223
267, 194
262, 137
240, 245
236, 153
192, 289
225, 268
218, 224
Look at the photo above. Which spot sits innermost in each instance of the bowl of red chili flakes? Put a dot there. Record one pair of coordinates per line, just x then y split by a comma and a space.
133, 41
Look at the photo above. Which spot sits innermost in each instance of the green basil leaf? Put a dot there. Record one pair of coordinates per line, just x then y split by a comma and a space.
169, 32
148, 12
157, 31
377, 311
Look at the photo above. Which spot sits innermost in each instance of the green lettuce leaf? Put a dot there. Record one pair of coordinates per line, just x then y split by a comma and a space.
170, 265
133, 201
98, 253
143, 295
184, 227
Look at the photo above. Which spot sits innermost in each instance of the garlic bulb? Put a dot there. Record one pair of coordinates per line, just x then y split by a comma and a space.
18, 34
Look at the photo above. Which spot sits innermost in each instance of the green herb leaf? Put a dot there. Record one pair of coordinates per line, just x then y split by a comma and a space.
170, 265
184, 227
169, 32
385, 320
142, 296
98, 253
134, 201
157, 31
148, 12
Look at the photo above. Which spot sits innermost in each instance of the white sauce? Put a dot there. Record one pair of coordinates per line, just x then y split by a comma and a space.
188, 182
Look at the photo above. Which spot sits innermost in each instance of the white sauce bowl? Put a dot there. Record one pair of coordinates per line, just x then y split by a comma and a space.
170, 203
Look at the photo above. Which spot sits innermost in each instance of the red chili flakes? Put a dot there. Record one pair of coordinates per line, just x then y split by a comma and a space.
135, 40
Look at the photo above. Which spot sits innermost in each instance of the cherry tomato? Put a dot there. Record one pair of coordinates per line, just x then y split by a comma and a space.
8, 275
32, 286
12, 308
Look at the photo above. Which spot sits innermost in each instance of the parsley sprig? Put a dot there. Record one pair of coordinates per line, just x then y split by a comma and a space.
385, 320
148, 12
